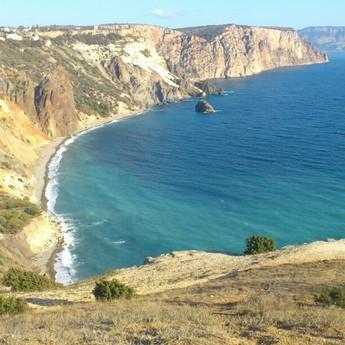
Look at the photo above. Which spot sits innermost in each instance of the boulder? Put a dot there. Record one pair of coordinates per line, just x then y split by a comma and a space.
204, 107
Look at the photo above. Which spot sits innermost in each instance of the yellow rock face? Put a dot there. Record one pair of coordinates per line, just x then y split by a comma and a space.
20, 143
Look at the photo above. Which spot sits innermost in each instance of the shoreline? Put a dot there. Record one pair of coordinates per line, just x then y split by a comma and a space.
41, 174
50, 151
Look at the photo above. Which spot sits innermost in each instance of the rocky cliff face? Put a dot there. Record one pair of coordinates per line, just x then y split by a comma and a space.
235, 51
54, 101
16, 86
147, 87
330, 38
129, 67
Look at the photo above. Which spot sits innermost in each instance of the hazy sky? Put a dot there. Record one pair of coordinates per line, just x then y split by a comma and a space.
174, 13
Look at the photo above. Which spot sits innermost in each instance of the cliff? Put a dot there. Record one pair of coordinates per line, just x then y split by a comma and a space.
66, 79
111, 69
328, 38
54, 101
234, 51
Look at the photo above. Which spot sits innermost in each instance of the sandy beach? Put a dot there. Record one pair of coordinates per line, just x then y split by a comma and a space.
43, 235
40, 170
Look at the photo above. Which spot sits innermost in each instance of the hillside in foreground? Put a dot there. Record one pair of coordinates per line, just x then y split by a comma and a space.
262, 306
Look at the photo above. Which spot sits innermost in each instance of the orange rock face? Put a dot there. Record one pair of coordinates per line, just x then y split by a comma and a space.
54, 100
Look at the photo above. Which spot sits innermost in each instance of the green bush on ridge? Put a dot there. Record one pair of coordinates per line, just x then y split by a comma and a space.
259, 245
106, 290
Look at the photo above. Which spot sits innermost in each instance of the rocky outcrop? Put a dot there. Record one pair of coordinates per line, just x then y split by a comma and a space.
17, 87
209, 88
204, 107
54, 100
146, 87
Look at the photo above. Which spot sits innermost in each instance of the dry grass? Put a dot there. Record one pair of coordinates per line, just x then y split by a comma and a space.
125, 322
263, 306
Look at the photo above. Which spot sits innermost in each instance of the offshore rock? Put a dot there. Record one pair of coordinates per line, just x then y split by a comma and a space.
204, 107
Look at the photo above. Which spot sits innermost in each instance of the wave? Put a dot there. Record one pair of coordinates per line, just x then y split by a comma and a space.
119, 242
64, 259
228, 92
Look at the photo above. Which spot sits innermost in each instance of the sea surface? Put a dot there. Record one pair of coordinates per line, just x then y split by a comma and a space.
270, 161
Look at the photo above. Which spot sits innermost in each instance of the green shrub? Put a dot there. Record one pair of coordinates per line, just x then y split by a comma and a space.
33, 210
90, 106
20, 280
333, 296
107, 290
16, 213
259, 244
12, 305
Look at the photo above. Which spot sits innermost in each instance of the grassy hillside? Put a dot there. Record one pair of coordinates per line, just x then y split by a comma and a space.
263, 306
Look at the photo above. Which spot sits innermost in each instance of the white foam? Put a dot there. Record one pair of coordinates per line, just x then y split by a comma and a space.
228, 92
64, 259
119, 242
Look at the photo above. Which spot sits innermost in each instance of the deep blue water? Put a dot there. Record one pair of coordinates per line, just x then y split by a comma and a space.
270, 162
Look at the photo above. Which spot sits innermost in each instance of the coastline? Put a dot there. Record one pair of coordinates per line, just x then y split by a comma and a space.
47, 252
41, 172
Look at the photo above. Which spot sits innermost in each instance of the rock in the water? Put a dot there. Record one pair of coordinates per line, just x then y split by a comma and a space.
203, 107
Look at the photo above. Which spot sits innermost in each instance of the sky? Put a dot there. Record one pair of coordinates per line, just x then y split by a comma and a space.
174, 13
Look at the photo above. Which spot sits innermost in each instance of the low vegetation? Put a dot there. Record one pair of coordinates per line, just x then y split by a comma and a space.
16, 213
259, 245
266, 306
90, 106
332, 296
106, 290
19, 280
12, 305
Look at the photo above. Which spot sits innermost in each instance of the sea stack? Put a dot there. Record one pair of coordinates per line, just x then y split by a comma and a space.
204, 107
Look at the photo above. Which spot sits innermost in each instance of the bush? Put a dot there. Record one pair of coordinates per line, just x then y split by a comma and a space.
12, 305
107, 290
259, 244
33, 210
333, 296
26, 281
16, 213
90, 106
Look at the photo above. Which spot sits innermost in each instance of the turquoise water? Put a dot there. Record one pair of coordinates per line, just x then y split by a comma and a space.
271, 161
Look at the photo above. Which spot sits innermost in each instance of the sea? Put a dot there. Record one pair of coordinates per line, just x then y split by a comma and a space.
270, 161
